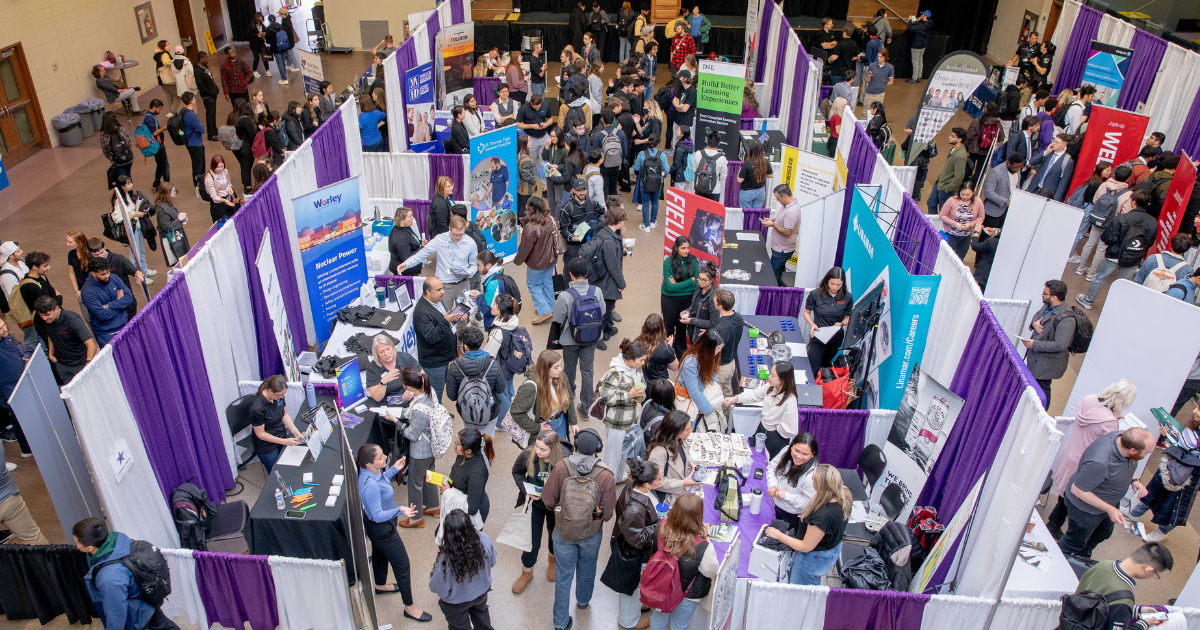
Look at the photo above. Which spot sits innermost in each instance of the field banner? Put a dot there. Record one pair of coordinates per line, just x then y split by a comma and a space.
700, 219
493, 189
458, 60
1178, 195
273, 296
329, 229
1106, 69
310, 69
418, 92
719, 90
953, 80
1114, 136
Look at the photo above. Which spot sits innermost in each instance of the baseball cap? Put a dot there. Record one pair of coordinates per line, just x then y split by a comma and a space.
927, 13
684, 74
10, 247
271, 18
646, 30
179, 50
578, 184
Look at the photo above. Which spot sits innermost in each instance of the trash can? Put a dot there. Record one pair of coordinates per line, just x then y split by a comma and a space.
96, 108
70, 134
87, 127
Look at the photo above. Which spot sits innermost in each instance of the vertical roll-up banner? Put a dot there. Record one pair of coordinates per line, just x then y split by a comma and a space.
953, 80
1106, 69
420, 118
719, 92
310, 70
1114, 136
492, 189
332, 250
700, 219
458, 61
753, 15
273, 296
1178, 194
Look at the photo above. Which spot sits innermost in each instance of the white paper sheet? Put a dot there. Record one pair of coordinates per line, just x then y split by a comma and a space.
825, 333
292, 456
749, 236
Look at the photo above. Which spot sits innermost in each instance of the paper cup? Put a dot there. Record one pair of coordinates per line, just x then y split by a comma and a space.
758, 265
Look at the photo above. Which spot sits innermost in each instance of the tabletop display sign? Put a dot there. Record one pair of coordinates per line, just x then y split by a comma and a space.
927, 414
719, 90
1178, 194
350, 385
457, 62
310, 70
273, 296
493, 189
418, 95
332, 250
947, 541
1116, 139
954, 79
700, 219
1106, 69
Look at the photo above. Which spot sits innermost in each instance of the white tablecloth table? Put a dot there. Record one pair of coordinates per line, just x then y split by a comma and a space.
336, 345
1029, 581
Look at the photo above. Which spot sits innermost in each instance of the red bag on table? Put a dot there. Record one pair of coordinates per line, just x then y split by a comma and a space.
833, 392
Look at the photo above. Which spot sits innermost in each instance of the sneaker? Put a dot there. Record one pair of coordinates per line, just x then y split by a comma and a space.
1080, 271
9, 466
268, 73
644, 228
283, 82
600, 345
1157, 535
8, 436
585, 606
257, 75
151, 272
616, 316
583, 413
1082, 299
1090, 277
1074, 259
570, 622
24, 454
198, 193
653, 224
149, 281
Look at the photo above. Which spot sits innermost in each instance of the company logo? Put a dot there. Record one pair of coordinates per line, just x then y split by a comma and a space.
332, 199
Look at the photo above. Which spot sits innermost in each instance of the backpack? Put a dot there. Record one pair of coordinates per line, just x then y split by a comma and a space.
282, 43
1060, 115
706, 175
585, 317
144, 141
516, 351
574, 518
475, 399
122, 153
634, 446
1088, 610
596, 25
660, 584
1083, 329
1133, 247
202, 189
1104, 209
591, 253
150, 572
441, 428
194, 516
16, 304
1162, 277
175, 130
988, 136
260, 148
508, 286
611, 147
652, 173
729, 492
625, 24
229, 138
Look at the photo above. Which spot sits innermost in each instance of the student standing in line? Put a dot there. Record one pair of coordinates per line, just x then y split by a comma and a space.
71, 345
162, 168
462, 574
684, 535
919, 29
469, 474
207, 87
633, 541
752, 177
680, 271
660, 355
193, 130
575, 353
236, 76
170, 225
532, 468
622, 388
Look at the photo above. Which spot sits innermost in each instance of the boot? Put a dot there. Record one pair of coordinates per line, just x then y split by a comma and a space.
523, 580
550, 570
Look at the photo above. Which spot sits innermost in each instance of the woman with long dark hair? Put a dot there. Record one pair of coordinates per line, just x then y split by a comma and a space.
789, 478
128, 203
170, 224
273, 427
633, 541
469, 474
536, 251
702, 311
961, 215
669, 453
660, 400
555, 152
462, 573
310, 115
658, 343
472, 117
753, 177
116, 145
379, 520
698, 374
531, 470
545, 402
77, 260
829, 305
684, 535
819, 543
680, 270
779, 406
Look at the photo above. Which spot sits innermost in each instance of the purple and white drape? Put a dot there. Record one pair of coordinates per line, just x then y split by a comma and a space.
329, 151
1074, 56
860, 164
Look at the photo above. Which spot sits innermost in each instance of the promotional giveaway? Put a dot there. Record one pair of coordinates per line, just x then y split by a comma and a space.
809, 175
493, 189
1178, 195
418, 92
310, 69
719, 91
955, 77
700, 219
458, 59
269, 277
1106, 69
1115, 136
329, 229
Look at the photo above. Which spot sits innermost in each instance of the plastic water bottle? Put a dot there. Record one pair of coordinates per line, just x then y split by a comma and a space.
278, 499
311, 393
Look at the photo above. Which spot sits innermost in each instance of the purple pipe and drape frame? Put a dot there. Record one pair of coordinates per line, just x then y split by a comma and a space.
1189, 136
780, 57
1075, 54
799, 85
848, 609
265, 210
420, 208
780, 302
860, 165
236, 589
732, 187
405, 59
381, 280
457, 14
450, 165
752, 219
916, 241
1148, 53
329, 152
840, 432
432, 27
760, 51
161, 363
485, 90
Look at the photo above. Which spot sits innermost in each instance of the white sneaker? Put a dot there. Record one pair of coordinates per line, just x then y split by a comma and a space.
653, 224
1082, 299
268, 73
150, 272
1090, 277
10, 466
26, 454
284, 82
149, 281
1073, 259
1157, 535
1080, 270
644, 228
257, 75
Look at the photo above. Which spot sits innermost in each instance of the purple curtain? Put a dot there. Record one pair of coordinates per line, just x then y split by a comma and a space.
746, 124
1143, 68
432, 26
236, 589
405, 58
826, 90
420, 208
840, 432
456, 12
764, 27
264, 211
485, 90
779, 301
1189, 136
847, 609
329, 152
381, 280
860, 165
799, 84
752, 219
732, 187
780, 58
1074, 56
161, 364
915, 240
450, 165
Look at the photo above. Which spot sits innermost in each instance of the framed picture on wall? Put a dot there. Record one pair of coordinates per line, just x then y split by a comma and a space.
147, 27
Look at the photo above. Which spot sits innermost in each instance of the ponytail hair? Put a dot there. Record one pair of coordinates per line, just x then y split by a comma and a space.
416, 378
472, 439
366, 454
275, 383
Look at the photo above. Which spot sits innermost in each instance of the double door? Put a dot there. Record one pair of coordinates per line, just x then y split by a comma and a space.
22, 131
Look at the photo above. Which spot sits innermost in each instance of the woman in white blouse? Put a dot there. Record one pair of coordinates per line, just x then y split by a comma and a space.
790, 478
779, 407
472, 118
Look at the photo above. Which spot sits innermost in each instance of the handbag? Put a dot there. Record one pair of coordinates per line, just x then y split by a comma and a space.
519, 436
560, 244
518, 531
114, 230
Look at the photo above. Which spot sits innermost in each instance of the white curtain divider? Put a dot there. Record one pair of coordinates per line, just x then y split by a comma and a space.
745, 297
1026, 614
1070, 11
396, 175
1174, 89
235, 302
733, 218
1191, 614
1012, 487
394, 82
774, 606
879, 424
422, 36
1115, 31
354, 152
906, 175
293, 399
184, 600
769, 70
954, 612
809, 107
311, 594
1010, 313
786, 110
298, 176
954, 314
103, 421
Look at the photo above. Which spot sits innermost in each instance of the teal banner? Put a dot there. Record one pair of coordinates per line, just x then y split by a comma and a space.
493, 189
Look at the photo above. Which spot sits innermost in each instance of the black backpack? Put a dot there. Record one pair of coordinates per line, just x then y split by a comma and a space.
706, 173
194, 516
1060, 115
150, 572
175, 130
122, 153
728, 501
596, 25
1083, 329
652, 173
1104, 209
1088, 610
591, 254
509, 286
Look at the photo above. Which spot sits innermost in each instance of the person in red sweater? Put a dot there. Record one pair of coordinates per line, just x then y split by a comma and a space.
682, 46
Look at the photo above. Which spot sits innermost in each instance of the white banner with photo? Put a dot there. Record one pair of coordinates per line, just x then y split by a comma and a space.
273, 296
927, 414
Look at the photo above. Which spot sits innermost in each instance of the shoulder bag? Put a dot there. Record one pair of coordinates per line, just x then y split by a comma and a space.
560, 244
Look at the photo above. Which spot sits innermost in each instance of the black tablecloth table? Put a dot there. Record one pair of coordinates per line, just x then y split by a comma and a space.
746, 254
767, 324
323, 533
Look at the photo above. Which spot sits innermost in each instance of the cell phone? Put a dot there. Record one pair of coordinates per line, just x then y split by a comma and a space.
758, 473
294, 514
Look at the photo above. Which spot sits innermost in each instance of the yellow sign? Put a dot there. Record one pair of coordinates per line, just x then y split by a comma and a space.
791, 166
212, 48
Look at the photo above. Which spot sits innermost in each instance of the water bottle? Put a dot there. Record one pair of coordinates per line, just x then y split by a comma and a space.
391, 292
278, 499
311, 393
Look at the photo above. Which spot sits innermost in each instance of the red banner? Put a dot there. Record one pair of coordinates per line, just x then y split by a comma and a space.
700, 219
1178, 194
1113, 136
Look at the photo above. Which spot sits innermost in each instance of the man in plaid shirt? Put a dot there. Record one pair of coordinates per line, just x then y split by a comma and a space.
235, 77
682, 46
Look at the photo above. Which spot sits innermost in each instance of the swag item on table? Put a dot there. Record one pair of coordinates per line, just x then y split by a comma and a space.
713, 450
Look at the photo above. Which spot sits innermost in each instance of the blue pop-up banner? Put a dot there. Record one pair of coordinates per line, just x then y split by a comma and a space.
420, 117
329, 228
492, 190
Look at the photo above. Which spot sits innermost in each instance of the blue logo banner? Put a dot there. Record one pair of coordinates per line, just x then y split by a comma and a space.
492, 189
1106, 69
329, 229
420, 116
350, 385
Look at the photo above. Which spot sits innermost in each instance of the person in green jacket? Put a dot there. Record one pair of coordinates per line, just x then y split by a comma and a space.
953, 173
699, 26
680, 271
1108, 577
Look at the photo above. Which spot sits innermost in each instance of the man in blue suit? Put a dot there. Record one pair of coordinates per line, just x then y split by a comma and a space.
1054, 169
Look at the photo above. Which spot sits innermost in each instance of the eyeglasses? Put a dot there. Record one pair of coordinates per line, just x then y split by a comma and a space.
1155, 572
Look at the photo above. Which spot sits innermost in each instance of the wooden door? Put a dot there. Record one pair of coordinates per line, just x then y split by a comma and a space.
22, 130
215, 10
1052, 20
187, 30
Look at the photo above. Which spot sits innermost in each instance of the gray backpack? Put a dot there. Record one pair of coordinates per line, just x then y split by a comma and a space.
574, 518
475, 400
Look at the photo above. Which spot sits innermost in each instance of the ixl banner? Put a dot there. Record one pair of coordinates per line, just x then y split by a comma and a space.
493, 189
1178, 194
719, 103
329, 228
953, 80
1106, 69
700, 219
1114, 136
418, 93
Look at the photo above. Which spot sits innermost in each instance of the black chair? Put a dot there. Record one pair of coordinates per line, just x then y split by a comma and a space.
871, 462
237, 416
230, 521
892, 501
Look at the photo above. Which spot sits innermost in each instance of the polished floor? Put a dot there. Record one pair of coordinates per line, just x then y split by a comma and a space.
62, 189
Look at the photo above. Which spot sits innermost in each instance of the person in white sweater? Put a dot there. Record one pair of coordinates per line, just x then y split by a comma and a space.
779, 407
790, 478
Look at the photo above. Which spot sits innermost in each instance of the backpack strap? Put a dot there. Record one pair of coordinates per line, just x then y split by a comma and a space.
1115, 595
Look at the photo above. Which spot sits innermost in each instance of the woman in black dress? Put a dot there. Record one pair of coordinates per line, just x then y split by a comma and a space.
403, 242
829, 305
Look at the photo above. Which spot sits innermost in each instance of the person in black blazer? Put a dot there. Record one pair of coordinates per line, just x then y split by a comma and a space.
403, 243
436, 344
984, 243
439, 207
208, 93
1024, 142
243, 124
460, 140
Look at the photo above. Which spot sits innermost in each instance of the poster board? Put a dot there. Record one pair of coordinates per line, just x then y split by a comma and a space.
332, 250
420, 117
273, 296
946, 542
457, 61
903, 473
492, 190
311, 71
810, 176
724, 587
700, 219
719, 90
926, 416
954, 78
1106, 69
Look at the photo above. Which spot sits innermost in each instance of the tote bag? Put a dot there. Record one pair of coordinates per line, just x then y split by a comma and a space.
518, 531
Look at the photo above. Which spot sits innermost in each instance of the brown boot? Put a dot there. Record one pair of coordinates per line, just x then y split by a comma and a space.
550, 570
408, 523
525, 578
644, 622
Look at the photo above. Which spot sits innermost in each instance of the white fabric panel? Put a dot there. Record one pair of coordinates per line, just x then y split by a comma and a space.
1174, 89
1190, 595
733, 218
102, 416
235, 300
954, 314
813, 89
422, 37
1012, 486
184, 600
397, 139
879, 423
354, 152
1010, 313
396, 175
906, 175
816, 245
786, 110
745, 297
310, 594
769, 70
444, 14
1115, 31
1191, 614
953, 612
466, 6
1070, 11
296, 177
773, 606
293, 399
1026, 614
